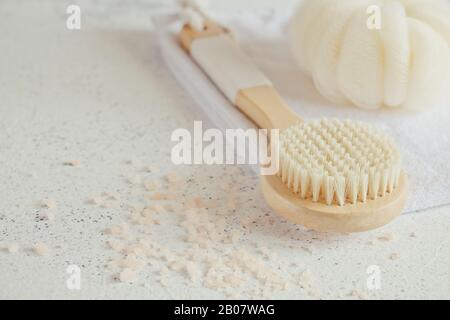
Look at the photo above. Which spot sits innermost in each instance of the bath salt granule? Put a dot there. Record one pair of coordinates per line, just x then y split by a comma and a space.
13, 248
306, 279
41, 249
119, 230
192, 271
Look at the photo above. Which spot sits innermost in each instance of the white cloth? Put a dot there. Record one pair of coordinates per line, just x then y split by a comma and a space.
423, 138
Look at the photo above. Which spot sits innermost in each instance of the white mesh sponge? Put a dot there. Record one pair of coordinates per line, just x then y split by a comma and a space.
375, 53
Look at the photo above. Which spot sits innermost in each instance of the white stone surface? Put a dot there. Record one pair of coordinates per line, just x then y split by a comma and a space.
102, 95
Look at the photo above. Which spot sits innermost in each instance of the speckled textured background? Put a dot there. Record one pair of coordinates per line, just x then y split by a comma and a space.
102, 95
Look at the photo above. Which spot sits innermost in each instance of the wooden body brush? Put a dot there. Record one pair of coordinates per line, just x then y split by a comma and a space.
336, 176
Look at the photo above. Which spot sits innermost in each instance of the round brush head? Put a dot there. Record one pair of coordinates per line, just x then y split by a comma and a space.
338, 162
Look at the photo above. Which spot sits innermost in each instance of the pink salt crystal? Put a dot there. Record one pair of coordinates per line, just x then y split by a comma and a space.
121, 229
233, 280
192, 271
306, 279
41, 249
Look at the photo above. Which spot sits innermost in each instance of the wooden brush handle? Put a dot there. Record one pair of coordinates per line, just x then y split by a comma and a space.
237, 76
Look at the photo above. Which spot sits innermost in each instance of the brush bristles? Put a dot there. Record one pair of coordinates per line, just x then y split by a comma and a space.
338, 162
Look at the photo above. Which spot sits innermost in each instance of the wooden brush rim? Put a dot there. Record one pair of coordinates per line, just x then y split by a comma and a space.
322, 217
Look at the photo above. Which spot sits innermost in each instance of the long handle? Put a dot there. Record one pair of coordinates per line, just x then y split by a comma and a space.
237, 76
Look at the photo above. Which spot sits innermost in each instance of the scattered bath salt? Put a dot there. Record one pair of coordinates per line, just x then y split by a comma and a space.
13, 248
358, 294
119, 230
306, 279
235, 281
214, 281
41, 249
48, 203
128, 275
163, 277
394, 256
386, 237
210, 255
192, 271
72, 163
176, 265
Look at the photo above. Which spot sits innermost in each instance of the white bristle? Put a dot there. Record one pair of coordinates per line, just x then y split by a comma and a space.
338, 162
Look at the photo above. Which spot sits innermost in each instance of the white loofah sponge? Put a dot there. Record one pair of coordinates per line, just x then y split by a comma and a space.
403, 61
